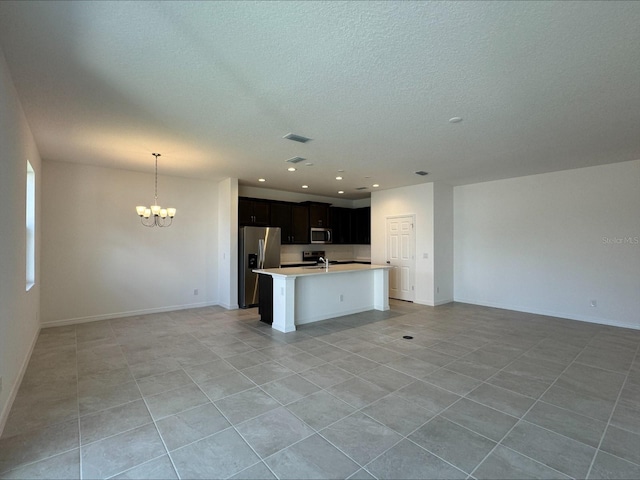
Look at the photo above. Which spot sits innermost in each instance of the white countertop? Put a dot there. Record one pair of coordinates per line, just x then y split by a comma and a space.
300, 271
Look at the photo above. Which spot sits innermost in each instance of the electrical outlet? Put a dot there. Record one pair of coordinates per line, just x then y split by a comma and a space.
437, 289
195, 292
594, 303
341, 298
425, 256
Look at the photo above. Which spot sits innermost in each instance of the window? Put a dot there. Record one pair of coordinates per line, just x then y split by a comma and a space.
31, 226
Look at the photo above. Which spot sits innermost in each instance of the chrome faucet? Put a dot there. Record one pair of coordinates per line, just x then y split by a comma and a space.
325, 261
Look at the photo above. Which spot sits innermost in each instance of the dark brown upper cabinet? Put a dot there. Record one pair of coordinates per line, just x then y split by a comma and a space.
340, 223
361, 226
318, 215
253, 211
293, 221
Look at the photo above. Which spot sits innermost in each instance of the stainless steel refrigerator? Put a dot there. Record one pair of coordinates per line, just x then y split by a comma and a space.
259, 247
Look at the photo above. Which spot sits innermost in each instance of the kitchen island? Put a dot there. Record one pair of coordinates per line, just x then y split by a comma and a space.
308, 294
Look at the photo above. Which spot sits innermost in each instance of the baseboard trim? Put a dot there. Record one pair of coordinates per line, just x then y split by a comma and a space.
549, 313
229, 307
4, 415
132, 313
443, 302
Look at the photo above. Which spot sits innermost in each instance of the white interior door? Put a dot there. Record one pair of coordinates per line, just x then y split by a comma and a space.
401, 256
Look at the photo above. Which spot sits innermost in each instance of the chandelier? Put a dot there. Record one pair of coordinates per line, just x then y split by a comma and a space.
155, 215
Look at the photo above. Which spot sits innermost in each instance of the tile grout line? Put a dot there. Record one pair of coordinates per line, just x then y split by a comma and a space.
437, 386
466, 428
499, 443
153, 420
80, 473
231, 425
357, 410
615, 405
352, 327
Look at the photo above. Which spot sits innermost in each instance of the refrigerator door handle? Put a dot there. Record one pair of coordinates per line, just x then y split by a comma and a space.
261, 253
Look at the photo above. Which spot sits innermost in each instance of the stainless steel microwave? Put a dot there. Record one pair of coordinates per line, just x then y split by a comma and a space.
321, 235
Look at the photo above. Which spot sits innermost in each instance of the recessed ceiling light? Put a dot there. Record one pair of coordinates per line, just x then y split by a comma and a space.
455, 120
292, 169
375, 185
261, 180
305, 186
338, 178
340, 192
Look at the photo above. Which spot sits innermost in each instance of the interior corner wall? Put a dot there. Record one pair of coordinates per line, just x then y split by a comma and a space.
418, 200
443, 243
228, 242
99, 262
19, 325
553, 243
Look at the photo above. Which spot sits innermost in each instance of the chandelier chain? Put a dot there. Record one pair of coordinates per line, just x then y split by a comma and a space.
156, 189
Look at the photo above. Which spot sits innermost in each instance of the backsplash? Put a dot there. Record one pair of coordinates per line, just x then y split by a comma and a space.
293, 253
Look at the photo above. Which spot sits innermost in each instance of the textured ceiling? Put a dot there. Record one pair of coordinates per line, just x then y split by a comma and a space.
213, 86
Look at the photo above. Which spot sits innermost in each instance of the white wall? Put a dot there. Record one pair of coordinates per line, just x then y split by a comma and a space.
19, 324
228, 242
551, 243
418, 200
99, 262
443, 243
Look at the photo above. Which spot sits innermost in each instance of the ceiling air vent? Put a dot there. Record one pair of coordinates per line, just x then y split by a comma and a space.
422, 172
295, 160
361, 188
296, 138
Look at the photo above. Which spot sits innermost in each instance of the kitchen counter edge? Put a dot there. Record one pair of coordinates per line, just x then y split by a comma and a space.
304, 271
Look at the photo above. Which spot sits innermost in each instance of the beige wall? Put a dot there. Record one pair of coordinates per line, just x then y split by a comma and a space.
416, 200
99, 262
18, 308
552, 243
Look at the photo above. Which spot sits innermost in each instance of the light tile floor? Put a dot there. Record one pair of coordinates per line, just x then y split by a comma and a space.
208, 393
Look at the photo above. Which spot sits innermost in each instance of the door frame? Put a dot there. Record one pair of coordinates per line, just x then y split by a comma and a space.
413, 248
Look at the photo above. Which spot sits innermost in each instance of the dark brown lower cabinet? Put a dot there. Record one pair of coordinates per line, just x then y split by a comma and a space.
265, 298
